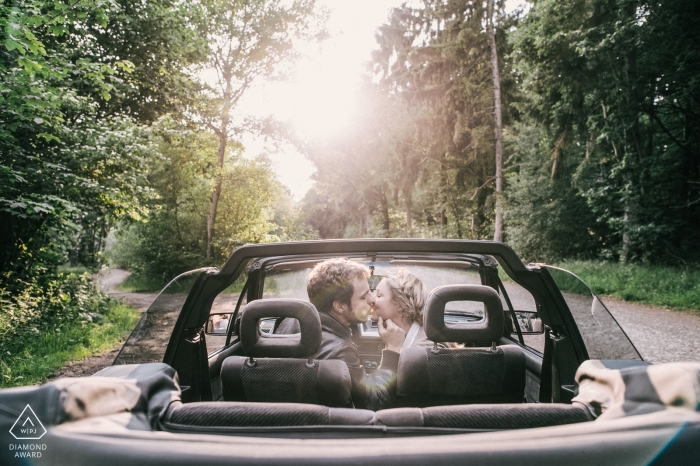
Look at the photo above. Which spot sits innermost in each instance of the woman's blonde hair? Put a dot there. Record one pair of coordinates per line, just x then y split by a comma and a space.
407, 292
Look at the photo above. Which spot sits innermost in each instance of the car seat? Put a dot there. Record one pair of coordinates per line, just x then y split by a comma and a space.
444, 376
278, 368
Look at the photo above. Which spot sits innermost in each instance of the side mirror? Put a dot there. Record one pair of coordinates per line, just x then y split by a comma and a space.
217, 324
528, 322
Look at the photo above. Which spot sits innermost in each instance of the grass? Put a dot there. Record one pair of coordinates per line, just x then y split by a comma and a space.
48, 352
675, 288
138, 284
671, 287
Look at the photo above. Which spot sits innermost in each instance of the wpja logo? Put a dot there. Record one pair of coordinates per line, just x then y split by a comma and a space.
28, 426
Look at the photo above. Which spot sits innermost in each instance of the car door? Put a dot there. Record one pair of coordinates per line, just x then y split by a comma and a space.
587, 330
161, 335
602, 335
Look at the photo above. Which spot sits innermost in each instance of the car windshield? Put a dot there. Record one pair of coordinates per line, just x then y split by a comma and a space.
281, 282
288, 279
602, 335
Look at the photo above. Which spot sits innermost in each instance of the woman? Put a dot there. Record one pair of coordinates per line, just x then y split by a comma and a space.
400, 296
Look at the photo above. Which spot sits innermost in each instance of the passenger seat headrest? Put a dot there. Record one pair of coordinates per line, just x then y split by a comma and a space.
488, 329
264, 345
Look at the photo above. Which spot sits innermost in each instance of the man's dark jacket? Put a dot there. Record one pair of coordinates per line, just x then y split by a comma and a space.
369, 391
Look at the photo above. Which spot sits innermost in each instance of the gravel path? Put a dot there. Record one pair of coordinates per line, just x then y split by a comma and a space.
660, 335
108, 281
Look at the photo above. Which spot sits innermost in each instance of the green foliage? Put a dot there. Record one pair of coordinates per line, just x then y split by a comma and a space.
70, 165
209, 199
671, 287
75, 270
601, 111
246, 41
426, 146
158, 39
547, 219
48, 303
172, 238
44, 353
139, 284
610, 83
84, 85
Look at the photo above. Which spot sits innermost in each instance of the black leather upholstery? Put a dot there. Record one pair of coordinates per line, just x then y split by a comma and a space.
286, 380
267, 375
443, 376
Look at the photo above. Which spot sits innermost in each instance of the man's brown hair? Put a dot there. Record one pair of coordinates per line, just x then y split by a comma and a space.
331, 280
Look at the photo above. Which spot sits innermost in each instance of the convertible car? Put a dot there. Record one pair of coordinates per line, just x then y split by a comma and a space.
537, 371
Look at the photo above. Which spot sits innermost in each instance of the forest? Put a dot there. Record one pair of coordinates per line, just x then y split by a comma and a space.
569, 129
599, 129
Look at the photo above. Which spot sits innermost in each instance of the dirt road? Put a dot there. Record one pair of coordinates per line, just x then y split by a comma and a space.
660, 335
107, 280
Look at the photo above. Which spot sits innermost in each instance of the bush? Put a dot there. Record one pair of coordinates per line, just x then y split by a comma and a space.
48, 303
40, 356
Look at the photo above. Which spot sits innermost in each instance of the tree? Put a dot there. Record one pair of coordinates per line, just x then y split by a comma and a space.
172, 237
613, 84
61, 160
498, 126
433, 58
158, 39
247, 40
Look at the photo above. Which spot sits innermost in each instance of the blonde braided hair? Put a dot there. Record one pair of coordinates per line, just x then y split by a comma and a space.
407, 292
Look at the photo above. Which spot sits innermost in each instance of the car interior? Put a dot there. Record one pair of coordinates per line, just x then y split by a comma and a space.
504, 355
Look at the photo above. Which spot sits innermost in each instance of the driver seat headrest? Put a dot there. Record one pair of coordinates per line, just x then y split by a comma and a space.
298, 345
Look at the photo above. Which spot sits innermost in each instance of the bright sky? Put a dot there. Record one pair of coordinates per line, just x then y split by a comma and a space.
319, 98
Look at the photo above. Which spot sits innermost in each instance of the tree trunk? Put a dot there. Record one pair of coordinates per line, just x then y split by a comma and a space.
223, 140
498, 128
409, 215
214, 201
384, 207
366, 221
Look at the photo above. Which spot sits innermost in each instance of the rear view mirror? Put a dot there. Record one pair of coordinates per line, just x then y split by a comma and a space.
373, 281
529, 323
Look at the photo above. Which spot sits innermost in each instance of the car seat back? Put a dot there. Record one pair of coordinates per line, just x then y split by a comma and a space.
274, 371
442, 376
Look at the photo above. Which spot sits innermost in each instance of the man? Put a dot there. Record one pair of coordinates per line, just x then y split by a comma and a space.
339, 290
